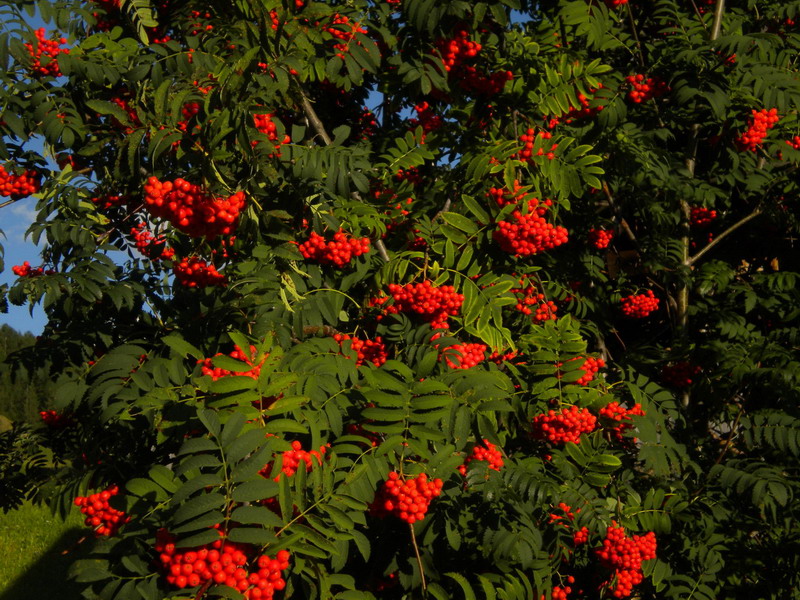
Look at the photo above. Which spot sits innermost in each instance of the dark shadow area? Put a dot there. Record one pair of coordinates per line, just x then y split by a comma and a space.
46, 579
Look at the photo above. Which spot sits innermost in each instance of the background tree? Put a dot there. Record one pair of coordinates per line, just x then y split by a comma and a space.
526, 327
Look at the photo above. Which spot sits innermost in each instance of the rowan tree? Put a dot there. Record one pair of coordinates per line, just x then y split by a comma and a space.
415, 298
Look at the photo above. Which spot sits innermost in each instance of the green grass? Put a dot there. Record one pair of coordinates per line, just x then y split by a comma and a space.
32, 547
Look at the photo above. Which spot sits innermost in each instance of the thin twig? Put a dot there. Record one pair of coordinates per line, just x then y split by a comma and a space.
635, 35
744, 220
419, 558
716, 28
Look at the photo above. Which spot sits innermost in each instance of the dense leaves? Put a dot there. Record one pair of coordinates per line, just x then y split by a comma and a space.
293, 248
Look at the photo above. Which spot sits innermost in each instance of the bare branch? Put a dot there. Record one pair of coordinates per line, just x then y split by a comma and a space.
743, 221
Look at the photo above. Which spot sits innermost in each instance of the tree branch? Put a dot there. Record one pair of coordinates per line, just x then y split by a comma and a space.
419, 558
622, 222
744, 220
318, 126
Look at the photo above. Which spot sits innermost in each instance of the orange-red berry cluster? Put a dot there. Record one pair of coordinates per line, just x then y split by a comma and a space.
565, 426
762, 121
107, 201
101, 517
680, 374
426, 118
107, 21
702, 217
615, 3
224, 563
197, 27
530, 140
264, 124
529, 233
25, 270
338, 252
487, 452
433, 304
464, 356
503, 196
133, 116
638, 306
216, 373
55, 420
532, 302
794, 142
600, 238
344, 30
407, 499
580, 536
590, 367
19, 186
154, 248
624, 556
49, 49
191, 209
373, 351
196, 272
291, 459
643, 89
620, 417
456, 50
560, 593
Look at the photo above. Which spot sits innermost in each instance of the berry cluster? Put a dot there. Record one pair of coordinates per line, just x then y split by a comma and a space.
196, 272
104, 519
504, 197
581, 536
620, 418
344, 30
643, 89
500, 357
533, 145
532, 302
373, 351
55, 420
19, 186
464, 356
338, 252
528, 233
405, 499
762, 121
107, 201
50, 49
487, 452
558, 592
794, 142
476, 82
426, 118
624, 555
585, 111
216, 373
25, 270
133, 116
702, 217
224, 563
680, 374
264, 124
600, 238
432, 304
191, 209
365, 125
458, 49
106, 21
564, 426
615, 3
590, 367
152, 247
197, 27
638, 306
291, 459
